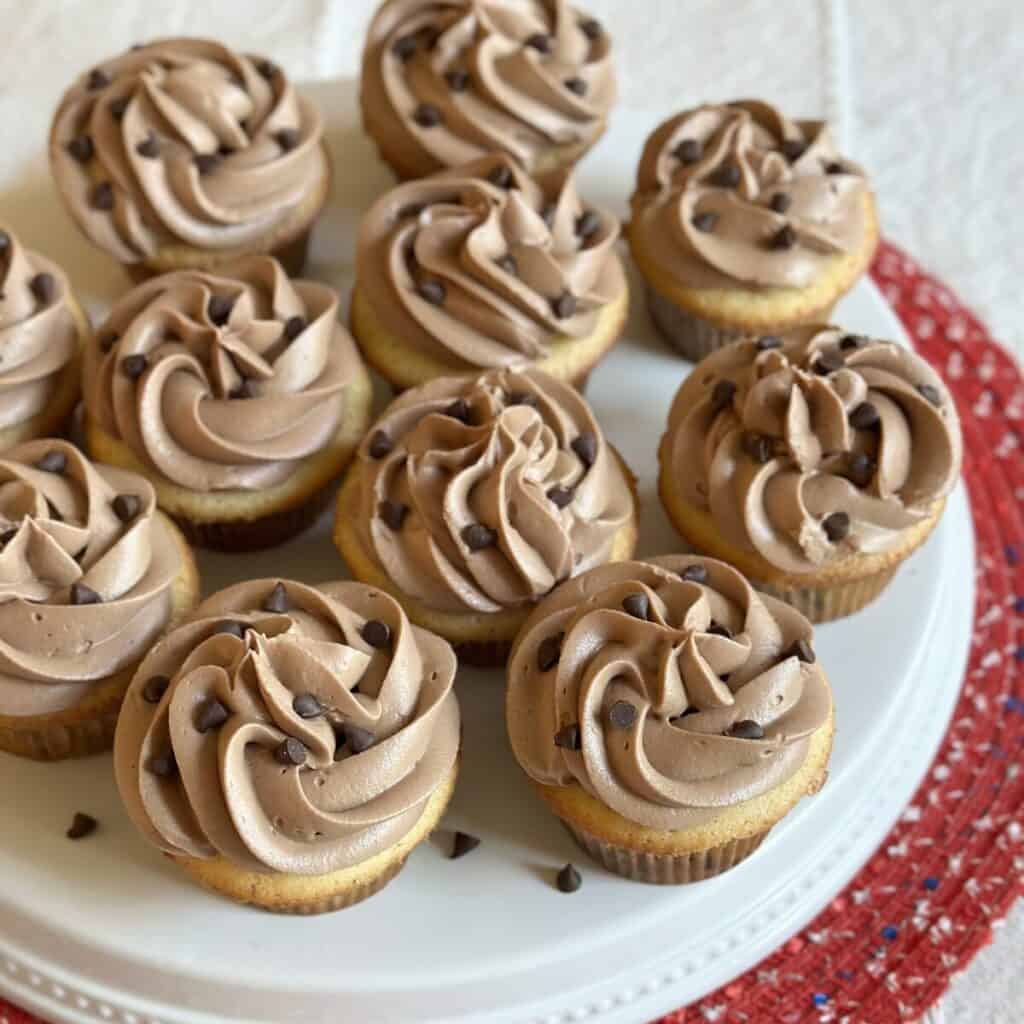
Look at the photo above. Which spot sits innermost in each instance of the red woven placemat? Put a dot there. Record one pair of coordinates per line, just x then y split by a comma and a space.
885, 949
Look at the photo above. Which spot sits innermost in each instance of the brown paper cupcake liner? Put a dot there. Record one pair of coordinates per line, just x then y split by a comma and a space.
483, 654
689, 335
57, 741
827, 602
666, 869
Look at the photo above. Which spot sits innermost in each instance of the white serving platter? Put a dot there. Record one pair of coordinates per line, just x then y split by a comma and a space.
106, 930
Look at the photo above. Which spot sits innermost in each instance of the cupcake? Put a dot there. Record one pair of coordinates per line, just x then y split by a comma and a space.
42, 332
815, 462
447, 81
182, 154
91, 574
472, 497
289, 745
746, 223
482, 268
238, 394
668, 714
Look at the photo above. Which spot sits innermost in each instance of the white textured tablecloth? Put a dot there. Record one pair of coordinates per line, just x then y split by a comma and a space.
925, 93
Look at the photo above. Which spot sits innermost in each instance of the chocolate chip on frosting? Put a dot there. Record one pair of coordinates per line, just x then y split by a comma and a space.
98, 79
211, 714
564, 305
307, 705
851, 341
757, 446
501, 176
803, 651
539, 41
149, 147
404, 47
622, 714
81, 148
637, 605
230, 628
82, 825
294, 326
549, 650
864, 417
836, 526
585, 447
689, 151
134, 366
287, 138
432, 291
793, 149
705, 221
476, 536
508, 264
522, 398
102, 196
576, 85
291, 751
784, 238
80, 594
218, 309
266, 69
154, 688
457, 80
717, 629
746, 729
376, 633
591, 28
380, 445
44, 287
767, 342
568, 879
358, 738
568, 737
118, 107
163, 766
54, 461
834, 167
462, 843
427, 115
722, 395
206, 163
126, 507
726, 176
458, 410
277, 600
393, 513
560, 496
781, 202
694, 574
931, 393
828, 362
860, 469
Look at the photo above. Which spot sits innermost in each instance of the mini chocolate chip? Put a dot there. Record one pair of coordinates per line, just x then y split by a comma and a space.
277, 600
828, 362
294, 326
393, 513
757, 446
380, 445
457, 80
559, 496
432, 291
218, 309
695, 574
793, 149
126, 507
82, 594
98, 79
549, 651
376, 633
508, 264
689, 151
225, 151
576, 85
568, 879
539, 41
568, 737
835, 167
864, 417
591, 28
163, 766
291, 751
81, 148
746, 729
705, 221
637, 605
585, 447
836, 526
726, 176
501, 176
767, 342
235, 629
149, 147
118, 106
44, 287
717, 629
206, 163
781, 202
588, 224
622, 714
861, 469
82, 825
359, 739
102, 197
850, 341
404, 47
427, 115
476, 536
266, 69
306, 705
211, 714
287, 138
54, 461
462, 843
522, 398
722, 395
154, 688
931, 393
458, 410
134, 366
564, 305
784, 238
803, 651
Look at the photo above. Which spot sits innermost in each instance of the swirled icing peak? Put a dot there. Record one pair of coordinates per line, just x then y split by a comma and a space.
668, 690
482, 266
447, 81
288, 728
222, 381
813, 446
86, 568
183, 141
39, 334
737, 193
482, 494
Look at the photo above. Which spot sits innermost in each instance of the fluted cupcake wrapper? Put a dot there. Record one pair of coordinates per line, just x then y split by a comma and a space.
58, 740
826, 602
666, 869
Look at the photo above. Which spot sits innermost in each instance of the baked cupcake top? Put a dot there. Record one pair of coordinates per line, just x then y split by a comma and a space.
481, 494
86, 569
814, 446
736, 195
184, 142
482, 266
669, 690
222, 381
451, 80
39, 330
288, 728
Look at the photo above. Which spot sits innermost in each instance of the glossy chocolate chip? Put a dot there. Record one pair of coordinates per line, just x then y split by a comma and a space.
689, 151
149, 147
591, 28
277, 600
931, 393
568, 737
539, 41
154, 688
564, 305
784, 238
98, 79
235, 629
828, 362
54, 461
836, 526
622, 714
82, 825
118, 106
211, 714
266, 69
291, 751
134, 366
835, 167
458, 410
722, 395
508, 264
306, 705
864, 417
851, 341
476, 536
432, 291
793, 149
218, 309
457, 80
287, 138
560, 496
427, 115
522, 398
206, 163
576, 85
462, 843
694, 574
81, 149
637, 605
126, 507
746, 729
585, 447
376, 633
393, 513
549, 651
717, 629
102, 196
588, 224
404, 47
706, 221
81, 594
44, 287
803, 651
501, 176
358, 739
780, 202
860, 469
380, 445
294, 326
568, 879
163, 766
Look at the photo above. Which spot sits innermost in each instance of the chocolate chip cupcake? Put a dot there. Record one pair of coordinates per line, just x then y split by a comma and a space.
42, 332
472, 497
482, 267
289, 745
745, 222
184, 154
447, 81
238, 394
815, 462
91, 574
668, 714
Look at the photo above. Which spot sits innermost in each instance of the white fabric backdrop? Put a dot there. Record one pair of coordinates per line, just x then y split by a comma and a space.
924, 93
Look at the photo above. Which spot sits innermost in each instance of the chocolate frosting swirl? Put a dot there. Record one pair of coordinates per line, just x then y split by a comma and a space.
484, 267
505, 486
297, 746
83, 593
658, 700
815, 446
225, 381
183, 141
519, 77
738, 194
39, 332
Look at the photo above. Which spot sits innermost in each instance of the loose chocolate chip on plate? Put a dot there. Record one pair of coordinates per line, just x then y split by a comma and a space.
163, 766
82, 825
793, 149
588, 224
828, 362
539, 41
591, 28
784, 238
206, 163
568, 737
717, 629
768, 342
689, 151
291, 751
287, 138
98, 79
211, 714
126, 507
585, 447
218, 309
861, 469
427, 115
44, 287
102, 197
560, 496
568, 879
457, 80
637, 605
757, 446
780, 202
432, 291
81, 148
864, 417
404, 47
746, 729
476, 536
458, 410
306, 705
508, 264
54, 461
803, 651
277, 600
393, 513
501, 176
694, 574
380, 445
722, 395
576, 85
836, 526
705, 221
376, 633
549, 651
134, 366
931, 393
727, 176
80, 594
462, 843
622, 714
564, 305
149, 147
118, 107
850, 341
359, 739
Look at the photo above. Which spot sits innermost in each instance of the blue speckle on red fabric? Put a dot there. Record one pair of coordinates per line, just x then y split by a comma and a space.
931, 883
890, 932
819, 998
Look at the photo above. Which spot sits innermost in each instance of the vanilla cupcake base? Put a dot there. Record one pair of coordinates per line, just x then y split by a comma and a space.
319, 894
88, 727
